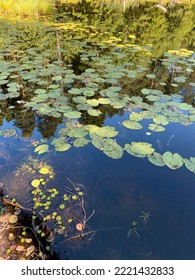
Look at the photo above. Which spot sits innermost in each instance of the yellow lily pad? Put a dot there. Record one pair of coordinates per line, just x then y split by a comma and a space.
35, 183
44, 170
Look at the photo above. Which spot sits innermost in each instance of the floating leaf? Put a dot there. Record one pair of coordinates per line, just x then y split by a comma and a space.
143, 148
180, 79
129, 151
44, 170
156, 127
160, 119
132, 125
106, 131
104, 100
151, 76
108, 146
75, 91
80, 142
93, 102
35, 183
41, 149
190, 164
156, 159
88, 92
60, 144
94, 112
72, 115
136, 117
77, 132
112, 149
173, 161
13, 219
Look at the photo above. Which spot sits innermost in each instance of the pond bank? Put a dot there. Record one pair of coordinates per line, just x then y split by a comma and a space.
41, 8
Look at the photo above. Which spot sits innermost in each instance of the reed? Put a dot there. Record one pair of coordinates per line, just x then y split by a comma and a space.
37, 8
26, 8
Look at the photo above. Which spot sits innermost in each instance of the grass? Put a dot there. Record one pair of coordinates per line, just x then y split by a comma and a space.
24, 8
36, 8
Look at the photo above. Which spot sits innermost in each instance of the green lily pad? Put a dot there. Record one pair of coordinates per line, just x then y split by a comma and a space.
104, 101
151, 76
80, 142
93, 102
41, 149
60, 144
94, 112
160, 119
190, 164
173, 161
156, 127
136, 116
128, 149
72, 114
156, 159
75, 91
106, 131
80, 99
40, 91
180, 79
142, 148
89, 92
109, 147
132, 125
77, 132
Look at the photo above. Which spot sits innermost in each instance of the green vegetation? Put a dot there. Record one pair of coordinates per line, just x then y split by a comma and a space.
91, 77
37, 8
32, 8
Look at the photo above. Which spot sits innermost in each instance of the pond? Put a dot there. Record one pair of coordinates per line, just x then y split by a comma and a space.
98, 129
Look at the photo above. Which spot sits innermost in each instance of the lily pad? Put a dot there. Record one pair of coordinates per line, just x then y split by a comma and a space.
190, 164
106, 131
156, 127
109, 147
94, 112
93, 102
80, 142
132, 125
156, 159
35, 183
13, 219
136, 117
60, 144
173, 161
77, 132
41, 149
160, 119
44, 170
128, 149
142, 148
72, 114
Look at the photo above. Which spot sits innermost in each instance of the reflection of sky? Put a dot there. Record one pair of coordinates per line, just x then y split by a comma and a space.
176, 138
119, 190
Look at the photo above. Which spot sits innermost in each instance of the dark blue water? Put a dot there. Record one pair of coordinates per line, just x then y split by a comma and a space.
119, 191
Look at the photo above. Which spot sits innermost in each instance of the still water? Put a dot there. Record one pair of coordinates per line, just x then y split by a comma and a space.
136, 210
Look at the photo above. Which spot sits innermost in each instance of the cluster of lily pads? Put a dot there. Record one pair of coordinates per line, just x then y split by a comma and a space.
43, 82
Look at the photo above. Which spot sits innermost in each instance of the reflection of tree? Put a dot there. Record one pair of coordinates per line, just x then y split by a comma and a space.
25, 121
47, 126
